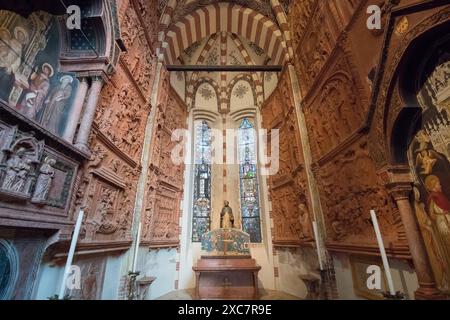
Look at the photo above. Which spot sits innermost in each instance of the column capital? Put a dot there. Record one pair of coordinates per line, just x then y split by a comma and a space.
83, 79
397, 179
97, 78
399, 191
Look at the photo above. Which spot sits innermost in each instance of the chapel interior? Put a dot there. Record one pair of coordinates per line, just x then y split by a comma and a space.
224, 149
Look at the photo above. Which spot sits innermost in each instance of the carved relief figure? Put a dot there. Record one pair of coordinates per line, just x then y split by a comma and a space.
44, 180
13, 166
347, 217
304, 221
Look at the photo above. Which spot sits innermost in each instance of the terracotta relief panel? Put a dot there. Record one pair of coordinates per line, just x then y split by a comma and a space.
336, 111
287, 188
148, 10
315, 48
299, 14
121, 115
165, 182
106, 193
349, 189
139, 59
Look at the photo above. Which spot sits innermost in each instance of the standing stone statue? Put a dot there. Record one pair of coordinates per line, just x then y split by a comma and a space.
44, 180
226, 216
22, 176
16, 172
12, 169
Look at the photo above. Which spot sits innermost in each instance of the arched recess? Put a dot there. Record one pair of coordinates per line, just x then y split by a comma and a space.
9, 267
98, 43
212, 83
228, 17
258, 95
416, 125
388, 115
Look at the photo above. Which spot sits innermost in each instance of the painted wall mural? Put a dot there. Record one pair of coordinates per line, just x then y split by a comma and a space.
429, 158
30, 81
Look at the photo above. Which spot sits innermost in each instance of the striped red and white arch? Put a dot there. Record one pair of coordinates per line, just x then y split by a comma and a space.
228, 17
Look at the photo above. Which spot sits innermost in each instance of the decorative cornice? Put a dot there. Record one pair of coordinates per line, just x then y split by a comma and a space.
85, 248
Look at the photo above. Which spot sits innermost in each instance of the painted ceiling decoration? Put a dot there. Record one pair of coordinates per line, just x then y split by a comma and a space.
185, 7
240, 91
228, 17
205, 92
231, 49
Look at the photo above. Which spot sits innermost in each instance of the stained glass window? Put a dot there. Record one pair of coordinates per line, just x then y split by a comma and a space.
202, 182
249, 181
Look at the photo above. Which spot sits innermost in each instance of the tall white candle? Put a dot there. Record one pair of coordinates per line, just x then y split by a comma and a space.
387, 269
316, 237
136, 248
73, 245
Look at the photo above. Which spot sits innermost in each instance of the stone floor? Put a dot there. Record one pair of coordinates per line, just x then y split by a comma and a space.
265, 295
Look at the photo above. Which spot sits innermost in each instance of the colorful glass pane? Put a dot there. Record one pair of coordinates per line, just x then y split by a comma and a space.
249, 181
202, 182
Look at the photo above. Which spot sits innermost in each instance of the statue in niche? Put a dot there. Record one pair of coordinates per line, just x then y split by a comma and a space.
55, 103
44, 180
21, 179
17, 170
12, 169
226, 216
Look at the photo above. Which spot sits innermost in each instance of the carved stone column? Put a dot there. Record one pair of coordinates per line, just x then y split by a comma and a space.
75, 113
427, 285
89, 113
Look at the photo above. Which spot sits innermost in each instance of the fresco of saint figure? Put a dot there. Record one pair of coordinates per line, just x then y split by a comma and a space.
11, 57
439, 211
11, 50
432, 172
55, 104
6, 76
34, 98
30, 79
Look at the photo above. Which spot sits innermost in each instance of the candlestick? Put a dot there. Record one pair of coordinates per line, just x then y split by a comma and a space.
136, 248
387, 269
73, 245
316, 236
